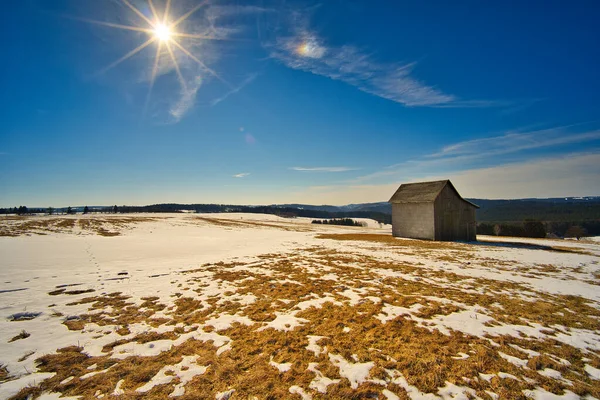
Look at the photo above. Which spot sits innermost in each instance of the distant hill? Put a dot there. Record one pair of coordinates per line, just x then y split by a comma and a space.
382, 207
557, 213
552, 209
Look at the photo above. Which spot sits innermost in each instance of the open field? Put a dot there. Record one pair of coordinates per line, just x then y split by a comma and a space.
244, 306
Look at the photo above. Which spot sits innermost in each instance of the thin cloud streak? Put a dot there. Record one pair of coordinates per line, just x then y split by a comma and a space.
348, 64
573, 174
486, 149
323, 169
302, 49
186, 100
235, 90
512, 142
242, 175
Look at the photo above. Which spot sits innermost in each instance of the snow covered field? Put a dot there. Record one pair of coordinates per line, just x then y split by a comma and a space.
242, 306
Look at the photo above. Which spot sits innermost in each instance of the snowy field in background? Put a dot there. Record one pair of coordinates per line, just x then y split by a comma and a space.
241, 305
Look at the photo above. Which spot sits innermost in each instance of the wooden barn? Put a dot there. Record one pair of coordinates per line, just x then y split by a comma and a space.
432, 211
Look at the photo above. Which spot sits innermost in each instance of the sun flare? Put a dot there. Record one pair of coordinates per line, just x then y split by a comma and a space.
162, 32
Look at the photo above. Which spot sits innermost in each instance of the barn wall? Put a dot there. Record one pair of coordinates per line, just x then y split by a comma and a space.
454, 217
413, 220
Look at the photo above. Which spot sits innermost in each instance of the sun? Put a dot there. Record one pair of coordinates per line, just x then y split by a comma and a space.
162, 32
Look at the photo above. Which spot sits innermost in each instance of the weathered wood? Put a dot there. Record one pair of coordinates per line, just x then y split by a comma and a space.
432, 211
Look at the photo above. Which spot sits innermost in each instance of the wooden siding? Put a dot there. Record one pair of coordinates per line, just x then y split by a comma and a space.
454, 217
413, 220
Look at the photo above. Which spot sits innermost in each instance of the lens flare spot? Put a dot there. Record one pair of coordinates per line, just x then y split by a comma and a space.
310, 49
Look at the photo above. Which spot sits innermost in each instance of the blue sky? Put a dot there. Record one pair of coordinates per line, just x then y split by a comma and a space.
267, 102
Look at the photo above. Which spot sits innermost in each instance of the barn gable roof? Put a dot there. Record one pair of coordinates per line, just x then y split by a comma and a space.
423, 192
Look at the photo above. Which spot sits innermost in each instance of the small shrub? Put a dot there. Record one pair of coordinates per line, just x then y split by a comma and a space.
22, 335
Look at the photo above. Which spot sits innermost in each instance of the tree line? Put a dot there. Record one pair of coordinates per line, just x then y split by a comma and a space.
540, 229
338, 221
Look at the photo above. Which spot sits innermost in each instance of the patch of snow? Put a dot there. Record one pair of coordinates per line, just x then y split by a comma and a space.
217, 339
313, 346
514, 360
389, 395
10, 388
493, 395
118, 391
530, 353
505, 375
284, 322
317, 303
452, 391
298, 390
391, 312
225, 321
412, 391
356, 373
353, 295
329, 277
320, 381
543, 394
550, 373
56, 396
224, 348
486, 377
185, 370
282, 367
224, 395
593, 373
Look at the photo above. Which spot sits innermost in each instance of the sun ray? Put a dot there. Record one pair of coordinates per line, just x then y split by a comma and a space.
206, 37
152, 78
166, 15
126, 56
161, 31
186, 15
110, 24
154, 13
138, 12
190, 55
179, 76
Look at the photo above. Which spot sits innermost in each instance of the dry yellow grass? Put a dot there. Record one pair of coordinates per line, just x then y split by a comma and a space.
408, 344
240, 223
22, 335
3, 373
90, 224
434, 245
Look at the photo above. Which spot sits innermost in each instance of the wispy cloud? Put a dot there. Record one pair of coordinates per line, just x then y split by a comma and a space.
234, 89
186, 100
484, 152
242, 175
572, 174
303, 49
511, 142
324, 169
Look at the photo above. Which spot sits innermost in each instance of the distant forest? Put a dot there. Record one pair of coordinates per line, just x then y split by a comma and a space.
560, 216
339, 221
